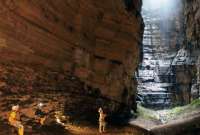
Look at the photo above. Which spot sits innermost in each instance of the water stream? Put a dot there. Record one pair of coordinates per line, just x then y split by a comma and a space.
154, 75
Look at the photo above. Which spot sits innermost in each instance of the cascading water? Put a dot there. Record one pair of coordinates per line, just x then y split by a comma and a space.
155, 77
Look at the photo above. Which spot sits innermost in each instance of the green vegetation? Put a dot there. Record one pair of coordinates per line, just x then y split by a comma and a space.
169, 114
196, 103
146, 113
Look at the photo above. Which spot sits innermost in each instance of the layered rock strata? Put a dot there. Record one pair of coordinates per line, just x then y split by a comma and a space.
190, 68
44, 43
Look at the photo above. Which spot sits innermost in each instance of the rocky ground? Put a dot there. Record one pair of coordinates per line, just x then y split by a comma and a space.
70, 129
183, 119
73, 125
150, 121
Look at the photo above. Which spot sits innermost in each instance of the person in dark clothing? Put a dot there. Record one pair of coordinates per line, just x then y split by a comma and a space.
40, 115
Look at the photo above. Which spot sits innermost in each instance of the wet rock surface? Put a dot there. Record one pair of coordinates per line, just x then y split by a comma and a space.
155, 77
192, 26
185, 63
171, 52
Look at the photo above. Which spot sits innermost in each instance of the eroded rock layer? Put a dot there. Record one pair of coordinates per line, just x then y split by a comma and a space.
169, 74
191, 22
44, 43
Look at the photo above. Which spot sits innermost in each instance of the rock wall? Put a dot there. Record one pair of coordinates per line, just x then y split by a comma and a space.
192, 30
43, 43
192, 22
175, 31
164, 34
187, 67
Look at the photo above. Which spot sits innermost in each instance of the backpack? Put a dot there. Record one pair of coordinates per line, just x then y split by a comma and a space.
39, 113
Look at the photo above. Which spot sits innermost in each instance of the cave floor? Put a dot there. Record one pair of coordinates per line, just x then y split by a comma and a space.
75, 130
139, 126
127, 130
147, 120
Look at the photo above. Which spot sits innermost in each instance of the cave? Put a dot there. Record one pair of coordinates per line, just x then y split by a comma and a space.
132, 64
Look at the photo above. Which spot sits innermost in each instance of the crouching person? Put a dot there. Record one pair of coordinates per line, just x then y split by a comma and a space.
102, 121
14, 120
40, 114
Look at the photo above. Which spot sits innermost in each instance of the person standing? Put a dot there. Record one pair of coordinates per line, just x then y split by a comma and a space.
102, 121
14, 121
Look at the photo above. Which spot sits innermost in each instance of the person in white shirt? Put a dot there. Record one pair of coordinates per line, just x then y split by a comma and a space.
102, 122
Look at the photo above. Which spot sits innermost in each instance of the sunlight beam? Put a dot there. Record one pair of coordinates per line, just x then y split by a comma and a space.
156, 4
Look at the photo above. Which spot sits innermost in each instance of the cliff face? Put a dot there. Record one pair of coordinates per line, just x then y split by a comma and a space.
163, 36
185, 65
192, 21
45, 43
192, 28
167, 74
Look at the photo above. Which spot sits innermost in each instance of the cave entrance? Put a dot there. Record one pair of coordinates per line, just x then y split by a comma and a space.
168, 85
161, 40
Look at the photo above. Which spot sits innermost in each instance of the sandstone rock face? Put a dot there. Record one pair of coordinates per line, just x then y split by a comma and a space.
45, 42
192, 32
192, 22
187, 67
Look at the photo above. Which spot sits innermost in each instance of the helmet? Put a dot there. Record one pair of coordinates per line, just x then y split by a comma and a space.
15, 108
40, 105
100, 110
